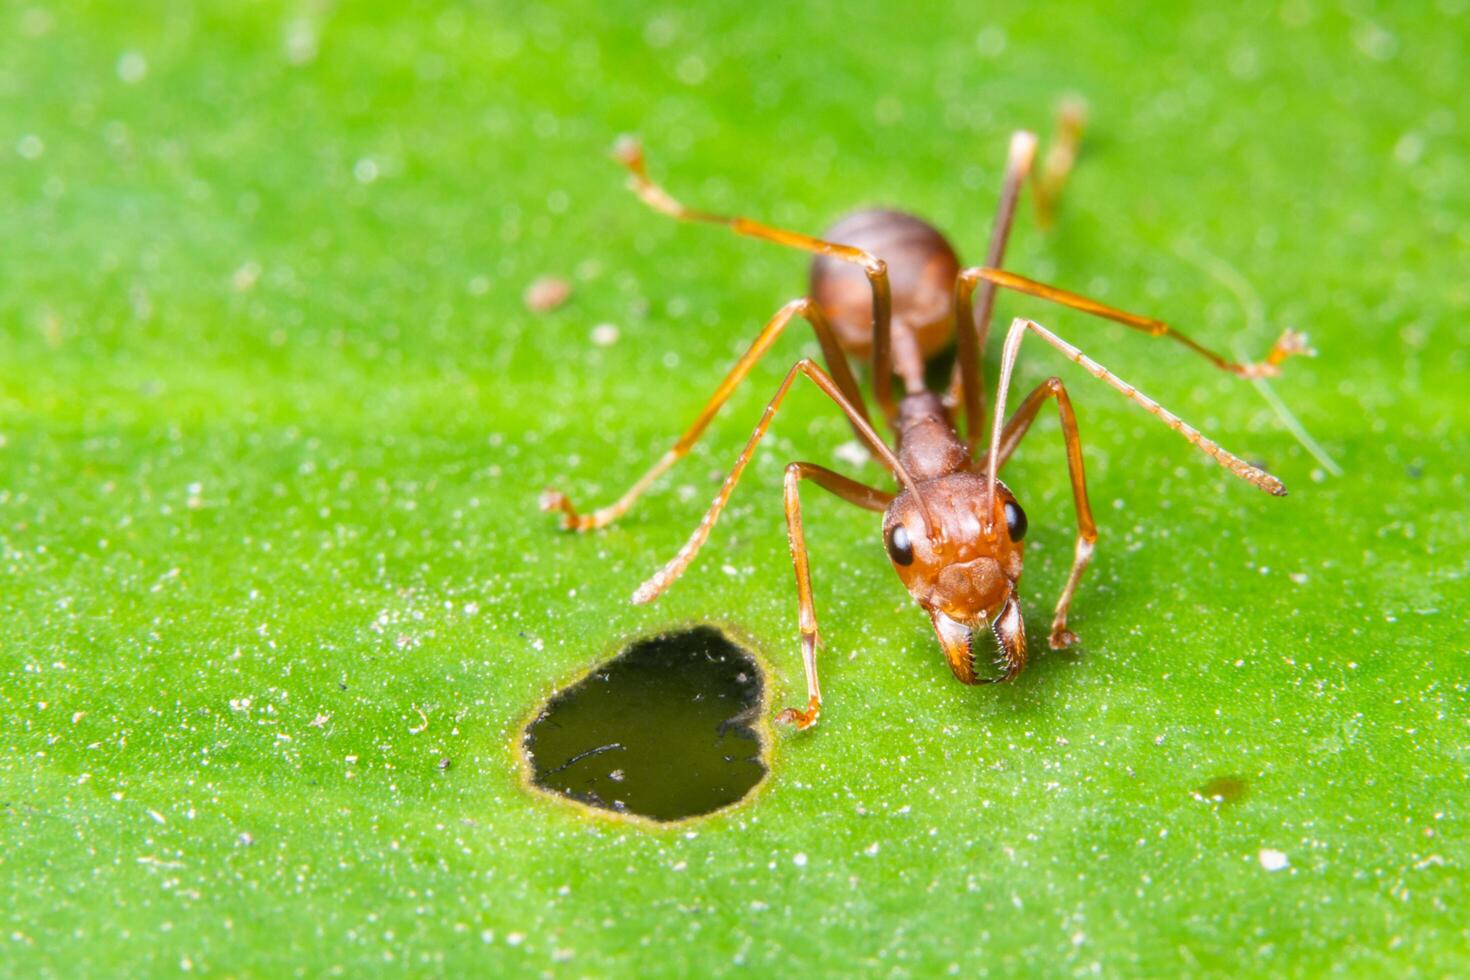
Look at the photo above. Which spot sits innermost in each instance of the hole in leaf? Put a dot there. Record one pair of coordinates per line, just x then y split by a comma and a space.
665, 730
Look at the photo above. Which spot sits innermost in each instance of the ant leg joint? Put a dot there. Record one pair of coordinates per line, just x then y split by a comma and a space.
802, 720
628, 150
1291, 343
1023, 149
1061, 637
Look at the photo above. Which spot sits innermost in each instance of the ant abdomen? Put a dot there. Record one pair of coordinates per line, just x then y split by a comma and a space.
921, 269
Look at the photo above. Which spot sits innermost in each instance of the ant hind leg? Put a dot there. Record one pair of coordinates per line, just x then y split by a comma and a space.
965, 384
1046, 188
1060, 156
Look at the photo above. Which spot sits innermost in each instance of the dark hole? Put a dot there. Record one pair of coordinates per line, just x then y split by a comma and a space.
664, 730
1223, 790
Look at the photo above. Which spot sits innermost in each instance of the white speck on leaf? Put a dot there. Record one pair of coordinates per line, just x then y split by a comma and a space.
1272, 859
246, 276
852, 452
132, 67
300, 41
546, 293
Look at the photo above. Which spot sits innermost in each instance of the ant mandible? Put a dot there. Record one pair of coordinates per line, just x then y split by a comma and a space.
888, 287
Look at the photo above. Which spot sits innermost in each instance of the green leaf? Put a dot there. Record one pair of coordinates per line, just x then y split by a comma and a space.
274, 419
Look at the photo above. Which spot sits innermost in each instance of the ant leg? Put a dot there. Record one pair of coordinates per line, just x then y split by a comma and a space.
629, 153
553, 500
1290, 342
970, 336
1014, 432
868, 498
1047, 187
664, 577
1020, 326
855, 493
1071, 121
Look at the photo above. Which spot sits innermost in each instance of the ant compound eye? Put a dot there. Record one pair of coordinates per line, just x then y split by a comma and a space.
1015, 520
900, 549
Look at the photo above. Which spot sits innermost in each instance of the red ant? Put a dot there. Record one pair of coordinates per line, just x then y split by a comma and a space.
894, 294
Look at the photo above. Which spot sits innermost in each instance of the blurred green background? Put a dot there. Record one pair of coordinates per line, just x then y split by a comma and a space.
274, 416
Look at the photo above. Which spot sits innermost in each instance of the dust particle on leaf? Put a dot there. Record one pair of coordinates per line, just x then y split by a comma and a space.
1272, 859
546, 293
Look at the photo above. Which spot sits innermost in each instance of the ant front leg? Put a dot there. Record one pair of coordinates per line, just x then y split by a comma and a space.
849, 490
866, 497
665, 576
1003, 443
1020, 326
1015, 430
572, 520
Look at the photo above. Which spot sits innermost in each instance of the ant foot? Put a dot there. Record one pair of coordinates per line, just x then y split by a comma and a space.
628, 151
1291, 343
554, 501
1061, 637
801, 720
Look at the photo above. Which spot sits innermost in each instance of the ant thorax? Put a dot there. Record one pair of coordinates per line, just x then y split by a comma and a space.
928, 446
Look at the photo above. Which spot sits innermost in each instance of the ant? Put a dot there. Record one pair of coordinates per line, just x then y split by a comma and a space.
888, 287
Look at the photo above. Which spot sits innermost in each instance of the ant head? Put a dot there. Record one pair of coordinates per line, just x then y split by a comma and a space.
965, 577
